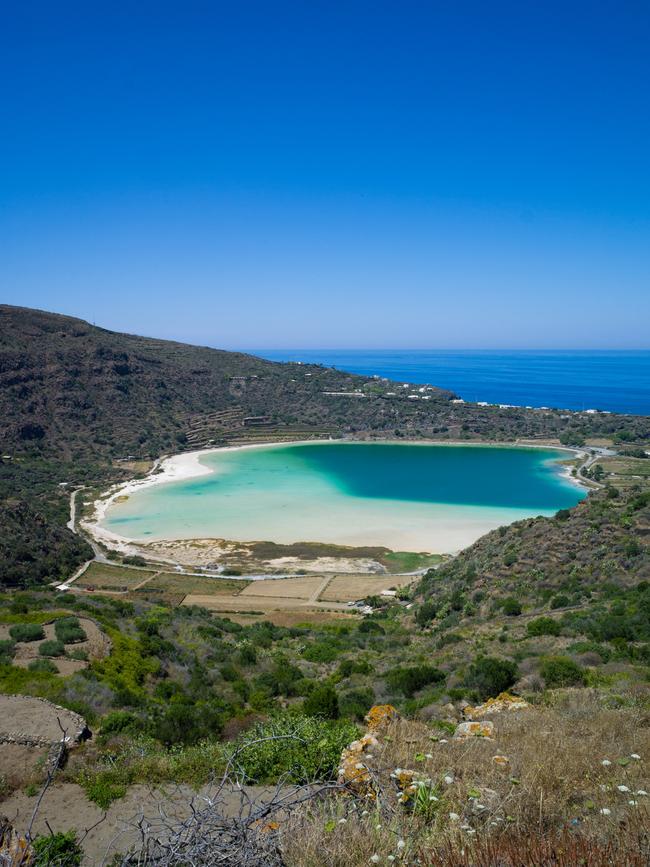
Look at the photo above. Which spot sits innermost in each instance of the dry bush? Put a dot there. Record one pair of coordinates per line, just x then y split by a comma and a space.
532, 850
552, 791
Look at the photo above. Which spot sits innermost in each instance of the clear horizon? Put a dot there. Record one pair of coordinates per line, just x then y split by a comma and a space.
349, 175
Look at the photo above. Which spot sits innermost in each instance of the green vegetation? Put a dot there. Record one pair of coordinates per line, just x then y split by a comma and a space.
68, 630
409, 679
489, 676
58, 850
323, 702
52, 648
120, 396
26, 632
562, 671
543, 626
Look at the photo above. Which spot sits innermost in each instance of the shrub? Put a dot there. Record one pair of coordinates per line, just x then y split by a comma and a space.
410, 679
134, 560
351, 666
322, 702
51, 648
299, 749
43, 665
119, 721
560, 671
27, 632
69, 631
7, 647
369, 626
543, 626
426, 613
511, 607
247, 655
489, 676
560, 601
321, 652
58, 850
356, 703
104, 787
187, 723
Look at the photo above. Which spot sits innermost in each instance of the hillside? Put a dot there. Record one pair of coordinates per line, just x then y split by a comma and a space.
72, 389
557, 610
76, 401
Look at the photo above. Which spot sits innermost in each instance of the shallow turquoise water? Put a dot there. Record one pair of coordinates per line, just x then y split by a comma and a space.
411, 497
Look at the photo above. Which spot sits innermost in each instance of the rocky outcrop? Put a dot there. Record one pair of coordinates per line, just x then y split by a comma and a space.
503, 702
471, 729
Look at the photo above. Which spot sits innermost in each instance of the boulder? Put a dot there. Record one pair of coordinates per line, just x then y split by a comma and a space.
474, 729
503, 702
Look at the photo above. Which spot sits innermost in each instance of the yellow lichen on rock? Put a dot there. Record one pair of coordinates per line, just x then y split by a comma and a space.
472, 729
353, 768
503, 702
15, 850
380, 716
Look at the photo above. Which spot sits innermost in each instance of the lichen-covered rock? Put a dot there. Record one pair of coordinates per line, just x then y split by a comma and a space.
502, 762
474, 729
353, 767
15, 850
503, 702
379, 716
354, 772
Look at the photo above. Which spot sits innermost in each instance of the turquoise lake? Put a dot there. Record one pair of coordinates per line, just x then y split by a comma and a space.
415, 497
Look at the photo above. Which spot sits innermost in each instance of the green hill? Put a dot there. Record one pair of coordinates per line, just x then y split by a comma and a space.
75, 400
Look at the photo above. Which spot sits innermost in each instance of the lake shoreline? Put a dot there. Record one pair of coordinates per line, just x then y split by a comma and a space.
188, 465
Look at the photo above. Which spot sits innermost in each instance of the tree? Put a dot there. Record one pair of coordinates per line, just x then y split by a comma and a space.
490, 676
323, 702
562, 671
511, 607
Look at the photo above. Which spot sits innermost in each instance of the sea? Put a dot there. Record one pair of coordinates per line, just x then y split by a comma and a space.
409, 497
613, 381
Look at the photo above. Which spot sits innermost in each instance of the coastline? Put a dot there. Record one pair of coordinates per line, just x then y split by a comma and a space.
188, 465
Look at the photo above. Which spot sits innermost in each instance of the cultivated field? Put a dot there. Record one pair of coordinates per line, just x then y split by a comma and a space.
282, 600
173, 582
116, 578
349, 588
302, 587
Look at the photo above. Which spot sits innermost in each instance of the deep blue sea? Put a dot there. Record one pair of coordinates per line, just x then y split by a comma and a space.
618, 381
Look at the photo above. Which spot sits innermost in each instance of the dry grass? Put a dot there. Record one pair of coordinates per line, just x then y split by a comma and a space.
349, 588
103, 576
302, 587
551, 793
243, 604
170, 582
294, 618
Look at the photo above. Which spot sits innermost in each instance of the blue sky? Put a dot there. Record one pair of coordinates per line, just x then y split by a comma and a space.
329, 174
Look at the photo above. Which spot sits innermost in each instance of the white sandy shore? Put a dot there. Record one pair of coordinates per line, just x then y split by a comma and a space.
188, 465
175, 468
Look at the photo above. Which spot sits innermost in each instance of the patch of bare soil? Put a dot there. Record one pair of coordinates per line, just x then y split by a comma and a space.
19, 765
65, 806
97, 645
24, 717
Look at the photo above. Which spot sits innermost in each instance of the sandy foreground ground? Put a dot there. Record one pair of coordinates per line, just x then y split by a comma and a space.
65, 806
